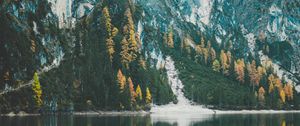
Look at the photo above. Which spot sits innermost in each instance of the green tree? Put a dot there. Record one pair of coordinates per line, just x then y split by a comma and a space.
216, 65
36, 87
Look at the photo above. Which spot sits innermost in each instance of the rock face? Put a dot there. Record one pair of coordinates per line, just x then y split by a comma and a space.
38, 33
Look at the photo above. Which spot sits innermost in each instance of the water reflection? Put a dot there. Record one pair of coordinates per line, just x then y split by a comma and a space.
179, 119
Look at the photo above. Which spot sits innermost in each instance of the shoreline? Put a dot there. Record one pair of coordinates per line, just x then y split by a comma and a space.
143, 113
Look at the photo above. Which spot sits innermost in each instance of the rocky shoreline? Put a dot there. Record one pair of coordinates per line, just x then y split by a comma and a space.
84, 113
143, 113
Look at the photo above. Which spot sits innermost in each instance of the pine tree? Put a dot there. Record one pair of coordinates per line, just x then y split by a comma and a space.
148, 96
121, 80
139, 93
36, 87
216, 65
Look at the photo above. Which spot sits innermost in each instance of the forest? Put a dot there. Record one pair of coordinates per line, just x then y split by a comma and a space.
106, 66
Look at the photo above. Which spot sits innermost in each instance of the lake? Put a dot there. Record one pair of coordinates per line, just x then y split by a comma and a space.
291, 119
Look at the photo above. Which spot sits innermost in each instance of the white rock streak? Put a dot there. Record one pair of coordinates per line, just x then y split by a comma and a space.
203, 12
183, 105
62, 8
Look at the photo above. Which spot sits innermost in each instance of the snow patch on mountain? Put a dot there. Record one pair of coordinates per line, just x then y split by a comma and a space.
156, 55
250, 38
201, 12
62, 8
35, 28
83, 9
218, 39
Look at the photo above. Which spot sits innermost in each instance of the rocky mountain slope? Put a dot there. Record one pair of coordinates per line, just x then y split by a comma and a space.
68, 34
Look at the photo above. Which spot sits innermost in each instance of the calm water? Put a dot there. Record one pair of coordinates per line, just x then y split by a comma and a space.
157, 120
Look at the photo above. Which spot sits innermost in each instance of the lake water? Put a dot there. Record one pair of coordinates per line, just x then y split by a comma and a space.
157, 120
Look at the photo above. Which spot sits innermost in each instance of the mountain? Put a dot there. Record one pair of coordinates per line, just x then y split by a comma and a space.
78, 48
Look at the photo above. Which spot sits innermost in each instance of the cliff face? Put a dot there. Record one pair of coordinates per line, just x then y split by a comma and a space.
36, 34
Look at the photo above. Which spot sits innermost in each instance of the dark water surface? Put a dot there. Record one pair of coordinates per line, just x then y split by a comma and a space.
156, 120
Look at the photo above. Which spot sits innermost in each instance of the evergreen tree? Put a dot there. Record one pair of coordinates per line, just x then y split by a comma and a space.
36, 87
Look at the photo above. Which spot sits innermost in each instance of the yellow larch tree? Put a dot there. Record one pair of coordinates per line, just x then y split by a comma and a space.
132, 92
288, 89
202, 43
142, 63
224, 62
139, 94
213, 54
125, 56
129, 45
36, 87
282, 95
121, 81
216, 65
170, 40
205, 55
229, 57
261, 95
278, 83
271, 82
111, 32
148, 96
186, 46
253, 74
239, 68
